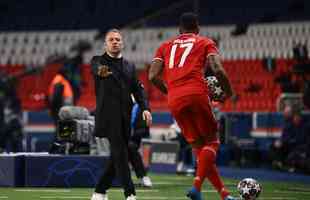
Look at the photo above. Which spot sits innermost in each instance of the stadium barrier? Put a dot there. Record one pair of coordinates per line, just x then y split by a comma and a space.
45, 170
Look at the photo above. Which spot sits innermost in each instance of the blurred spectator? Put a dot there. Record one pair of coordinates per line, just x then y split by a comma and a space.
299, 159
253, 87
301, 56
300, 52
10, 116
60, 93
269, 64
72, 65
289, 83
139, 130
293, 136
160, 35
240, 29
72, 71
306, 91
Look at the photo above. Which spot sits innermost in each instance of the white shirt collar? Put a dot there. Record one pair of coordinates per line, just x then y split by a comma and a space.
118, 56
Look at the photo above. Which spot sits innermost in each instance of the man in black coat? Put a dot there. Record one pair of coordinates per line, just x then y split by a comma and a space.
115, 79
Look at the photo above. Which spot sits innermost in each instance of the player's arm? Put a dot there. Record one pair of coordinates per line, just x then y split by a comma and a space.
155, 73
214, 62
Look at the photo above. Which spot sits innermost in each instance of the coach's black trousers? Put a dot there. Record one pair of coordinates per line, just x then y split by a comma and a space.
117, 165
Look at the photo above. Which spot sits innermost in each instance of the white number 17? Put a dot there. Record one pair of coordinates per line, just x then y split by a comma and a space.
186, 52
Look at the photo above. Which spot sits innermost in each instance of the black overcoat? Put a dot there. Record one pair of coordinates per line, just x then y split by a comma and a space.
113, 101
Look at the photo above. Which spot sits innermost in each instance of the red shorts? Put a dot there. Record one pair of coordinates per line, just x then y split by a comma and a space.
195, 117
213, 147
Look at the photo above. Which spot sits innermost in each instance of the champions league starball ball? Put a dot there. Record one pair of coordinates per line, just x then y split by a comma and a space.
215, 90
249, 189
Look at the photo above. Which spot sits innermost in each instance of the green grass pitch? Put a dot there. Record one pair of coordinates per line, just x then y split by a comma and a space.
166, 187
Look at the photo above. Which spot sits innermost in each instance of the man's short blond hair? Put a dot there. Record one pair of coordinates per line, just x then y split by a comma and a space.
112, 30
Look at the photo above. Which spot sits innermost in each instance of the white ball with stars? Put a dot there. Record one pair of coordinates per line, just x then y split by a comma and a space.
215, 90
249, 189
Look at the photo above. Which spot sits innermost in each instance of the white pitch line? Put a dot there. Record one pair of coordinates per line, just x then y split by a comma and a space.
168, 183
299, 189
290, 192
209, 191
86, 197
180, 183
110, 190
295, 192
42, 190
4, 197
153, 198
64, 197
162, 198
278, 198
177, 178
138, 190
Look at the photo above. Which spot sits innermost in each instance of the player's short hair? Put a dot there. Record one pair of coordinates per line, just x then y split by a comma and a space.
189, 21
112, 30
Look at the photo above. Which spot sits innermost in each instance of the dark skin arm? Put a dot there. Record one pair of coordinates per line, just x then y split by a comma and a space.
155, 74
214, 62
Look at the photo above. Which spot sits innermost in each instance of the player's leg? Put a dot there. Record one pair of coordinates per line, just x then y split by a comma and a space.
206, 168
206, 125
183, 114
191, 118
199, 126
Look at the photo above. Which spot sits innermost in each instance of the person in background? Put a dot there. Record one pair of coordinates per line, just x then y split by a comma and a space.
299, 158
139, 130
60, 93
300, 52
10, 117
293, 136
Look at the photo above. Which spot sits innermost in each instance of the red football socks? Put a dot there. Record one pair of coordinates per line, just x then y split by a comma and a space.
206, 167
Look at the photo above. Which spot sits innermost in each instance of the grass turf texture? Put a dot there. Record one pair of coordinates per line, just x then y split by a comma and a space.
166, 187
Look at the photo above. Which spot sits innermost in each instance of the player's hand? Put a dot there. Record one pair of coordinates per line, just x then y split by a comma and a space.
104, 71
147, 116
221, 99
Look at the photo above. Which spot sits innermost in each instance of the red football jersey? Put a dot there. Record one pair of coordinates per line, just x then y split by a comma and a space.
184, 60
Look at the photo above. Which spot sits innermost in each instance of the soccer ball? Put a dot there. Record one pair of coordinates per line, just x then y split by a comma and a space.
216, 92
249, 189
